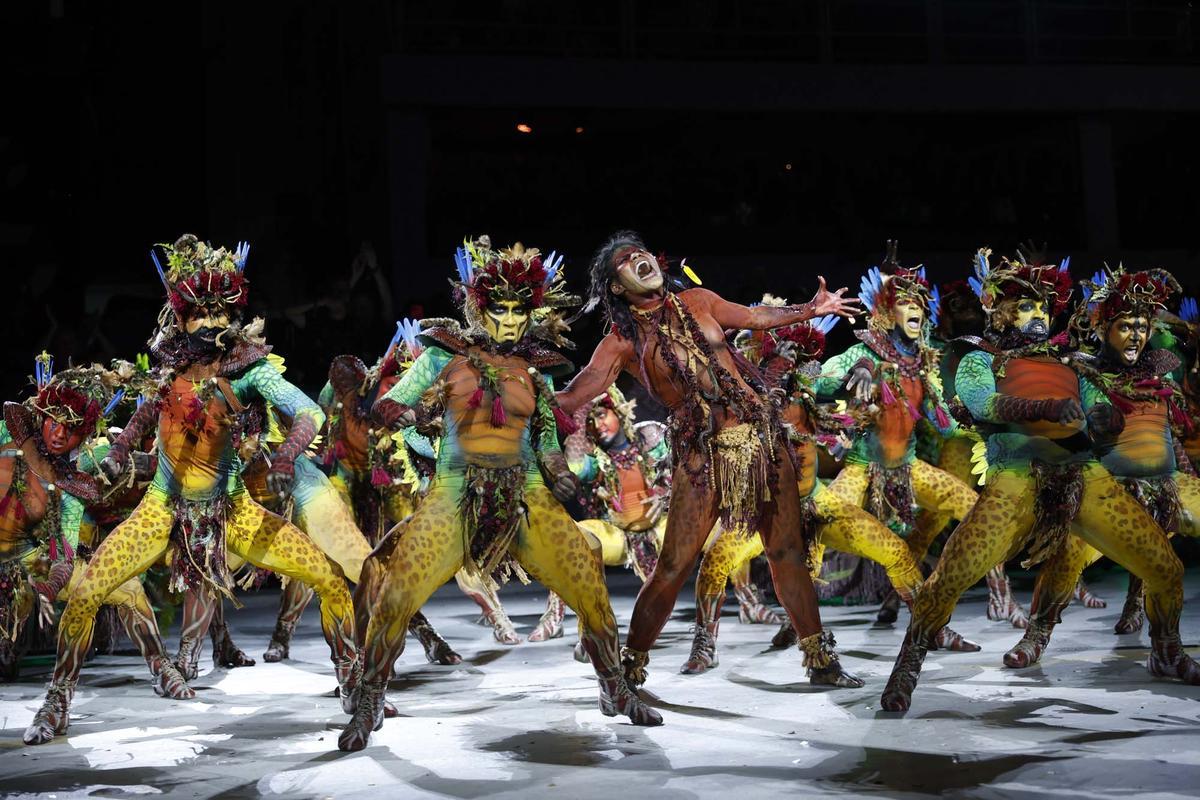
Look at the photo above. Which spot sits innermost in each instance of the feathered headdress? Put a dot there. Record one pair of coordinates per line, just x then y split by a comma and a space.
81, 398
197, 274
1113, 293
883, 286
1010, 280
513, 273
803, 341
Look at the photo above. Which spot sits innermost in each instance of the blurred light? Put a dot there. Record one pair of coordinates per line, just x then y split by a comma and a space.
788, 166
523, 128
579, 130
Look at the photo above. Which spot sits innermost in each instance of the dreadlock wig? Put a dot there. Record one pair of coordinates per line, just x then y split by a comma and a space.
602, 272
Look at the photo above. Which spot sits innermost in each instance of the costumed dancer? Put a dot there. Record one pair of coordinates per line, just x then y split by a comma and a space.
384, 474
892, 378
489, 508
1036, 413
43, 506
1113, 325
731, 460
625, 467
197, 505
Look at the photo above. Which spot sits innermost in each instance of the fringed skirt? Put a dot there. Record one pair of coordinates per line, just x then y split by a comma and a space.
198, 540
492, 509
1058, 490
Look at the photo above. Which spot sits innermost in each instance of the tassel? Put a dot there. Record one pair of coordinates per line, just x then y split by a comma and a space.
566, 425
1148, 383
912, 410
380, 477
885, 392
476, 399
54, 548
498, 415
943, 420
339, 450
615, 502
1164, 392
328, 458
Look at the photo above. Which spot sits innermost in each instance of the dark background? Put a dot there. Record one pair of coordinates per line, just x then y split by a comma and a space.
766, 141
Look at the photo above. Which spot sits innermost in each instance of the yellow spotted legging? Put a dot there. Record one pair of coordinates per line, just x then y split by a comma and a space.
428, 550
251, 532
997, 528
1058, 575
841, 525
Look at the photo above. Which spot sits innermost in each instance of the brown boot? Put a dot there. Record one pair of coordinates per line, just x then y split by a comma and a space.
1133, 615
550, 626
897, 695
821, 662
368, 718
784, 637
1084, 595
1029, 650
949, 639
889, 610
437, 649
1168, 660
54, 717
225, 653
281, 642
617, 698
751, 608
1002, 605
704, 644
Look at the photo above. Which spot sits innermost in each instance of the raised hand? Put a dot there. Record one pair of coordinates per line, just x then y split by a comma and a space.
827, 302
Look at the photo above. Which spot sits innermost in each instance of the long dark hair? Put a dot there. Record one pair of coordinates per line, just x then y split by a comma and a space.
602, 272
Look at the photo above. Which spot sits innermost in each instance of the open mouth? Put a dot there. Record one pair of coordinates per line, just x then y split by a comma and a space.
1131, 352
643, 269
913, 324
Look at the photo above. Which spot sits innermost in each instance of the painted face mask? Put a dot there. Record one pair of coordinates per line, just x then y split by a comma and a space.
506, 321
909, 315
1127, 338
1032, 318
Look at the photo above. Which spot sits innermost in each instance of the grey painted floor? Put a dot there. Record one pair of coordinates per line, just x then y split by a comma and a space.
522, 721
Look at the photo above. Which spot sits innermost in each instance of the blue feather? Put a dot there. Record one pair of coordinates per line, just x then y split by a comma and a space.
869, 288
409, 330
463, 261
1086, 289
826, 323
162, 275
935, 306
976, 286
116, 398
37, 374
141, 399
1189, 310
240, 255
981, 269
552, 266
1065, 265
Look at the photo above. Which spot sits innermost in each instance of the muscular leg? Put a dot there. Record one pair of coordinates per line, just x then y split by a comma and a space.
267, 540
1113, 522
128, 551
553, 549
691, 517
137, 617
786, 553
995, 528
427, 550
199, 610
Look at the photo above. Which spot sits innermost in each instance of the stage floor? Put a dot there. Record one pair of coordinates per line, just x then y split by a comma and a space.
522, 721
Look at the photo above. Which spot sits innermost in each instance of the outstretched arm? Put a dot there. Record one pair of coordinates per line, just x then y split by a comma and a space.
735, 315
611, 356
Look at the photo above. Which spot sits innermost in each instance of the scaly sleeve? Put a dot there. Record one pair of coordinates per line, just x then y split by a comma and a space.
266, 381
412, 385
834, 371
976, 385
